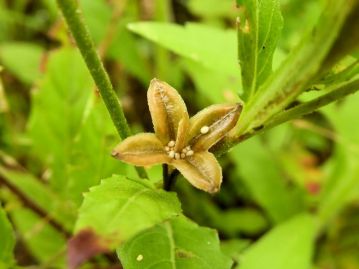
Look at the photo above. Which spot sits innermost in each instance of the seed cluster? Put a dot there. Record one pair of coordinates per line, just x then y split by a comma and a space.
185, 152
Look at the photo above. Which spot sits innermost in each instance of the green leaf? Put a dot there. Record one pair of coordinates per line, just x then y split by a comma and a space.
7, 242
120, 207
299, 17
342, 183
247, 221
213, 48
233, 247
299, 69
22, 59
125, 49
58, 108
44, 242
266, 185
258, 34
90, 157
97, 15
289, 245
41, 195
178, 243
70, 128
347, 41
122, 45
223, 88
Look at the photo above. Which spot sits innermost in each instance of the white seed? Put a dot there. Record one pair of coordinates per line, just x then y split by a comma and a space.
171, 143
167, 148
188, 148
184, 150
171, 154
189, 153
177, 156
204, 129
139, 258
183, 155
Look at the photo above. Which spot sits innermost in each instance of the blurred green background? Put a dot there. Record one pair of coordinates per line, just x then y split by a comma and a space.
56, 136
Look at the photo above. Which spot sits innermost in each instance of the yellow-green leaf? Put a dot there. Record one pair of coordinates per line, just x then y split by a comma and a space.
120, 207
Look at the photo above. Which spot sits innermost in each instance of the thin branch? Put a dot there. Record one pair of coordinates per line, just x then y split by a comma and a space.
290, 114
72, 14
169, 180
309, 107
164, 174
35, 208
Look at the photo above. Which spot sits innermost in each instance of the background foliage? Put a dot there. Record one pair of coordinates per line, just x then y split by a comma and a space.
290, 194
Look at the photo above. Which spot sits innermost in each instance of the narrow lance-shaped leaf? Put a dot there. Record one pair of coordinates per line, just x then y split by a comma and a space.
260, 25
347, 41
288, 245
301, 66
7, 241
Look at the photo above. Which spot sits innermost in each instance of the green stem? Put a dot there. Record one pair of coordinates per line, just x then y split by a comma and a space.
290, 114
308, 107
168, 179
72, 13
299, 70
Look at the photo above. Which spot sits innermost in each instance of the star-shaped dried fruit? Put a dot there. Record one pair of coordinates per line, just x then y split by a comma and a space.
181, 141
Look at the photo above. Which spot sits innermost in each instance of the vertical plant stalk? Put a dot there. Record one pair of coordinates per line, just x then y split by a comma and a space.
72, 14
168, 178
165, 175
35, 208
171, 180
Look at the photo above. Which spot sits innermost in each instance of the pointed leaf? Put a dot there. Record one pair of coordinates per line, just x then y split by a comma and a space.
178, 244
22, 59
167, 110
202, 170
344, 45
219, 119
300, 67
258, 34
69, 127
120, 207
36, 232
211, 52
39, 194
289, 245
141, 149
265, 185
7, 242
209, 46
